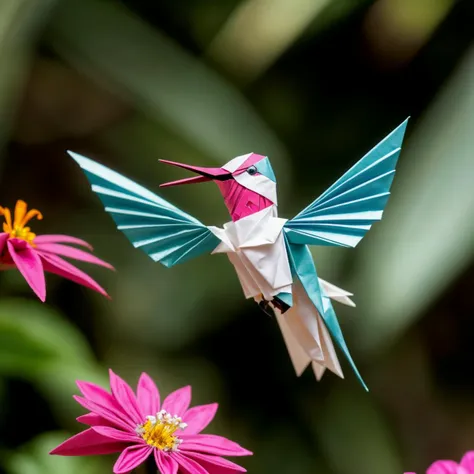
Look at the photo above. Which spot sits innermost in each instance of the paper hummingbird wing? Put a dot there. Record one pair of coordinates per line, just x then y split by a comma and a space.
344, 213
164, 232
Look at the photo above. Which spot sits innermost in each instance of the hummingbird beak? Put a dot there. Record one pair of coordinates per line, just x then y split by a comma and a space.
205, 174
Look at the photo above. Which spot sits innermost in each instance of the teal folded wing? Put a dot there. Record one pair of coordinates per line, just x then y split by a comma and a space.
344, 213
302, 267
164, 232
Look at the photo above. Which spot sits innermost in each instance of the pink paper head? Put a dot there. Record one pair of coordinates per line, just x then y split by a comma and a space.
246, 182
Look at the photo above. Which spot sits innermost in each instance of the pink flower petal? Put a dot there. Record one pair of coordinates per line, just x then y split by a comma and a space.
118, 435
97, 394
88, 443
216, 464
29, 264
177, 402
212, 469
187, 465
57, 238
131, 457
71, 252
105, 413
165, 462
92, 419
443, 467
125, 397
58, 266
100, 396
148, 396
199, 417
3, 241
468, 461
212, 444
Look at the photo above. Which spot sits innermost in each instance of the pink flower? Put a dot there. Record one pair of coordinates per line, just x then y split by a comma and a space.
466, 466
139, 427
33, 255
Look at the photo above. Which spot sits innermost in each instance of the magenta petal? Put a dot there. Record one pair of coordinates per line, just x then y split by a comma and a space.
187, 465
443, 467
92, 419
468, 461
177, 402
59, 238
71, 252
87, 443
103, 398
148, 396
216, 464
29, 264
58, 266
3, 241
100, 410
212, 444
165, 462
199, 417
131, 457
125, 397
118, 435
97, 394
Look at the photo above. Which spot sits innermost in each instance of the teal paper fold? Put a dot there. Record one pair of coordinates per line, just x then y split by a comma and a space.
264, 167
164, 232
302, 267
344, 213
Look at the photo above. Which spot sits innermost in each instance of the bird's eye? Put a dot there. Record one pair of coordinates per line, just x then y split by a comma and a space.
252, 170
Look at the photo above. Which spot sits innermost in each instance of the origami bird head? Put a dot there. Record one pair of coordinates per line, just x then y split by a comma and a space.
246, 182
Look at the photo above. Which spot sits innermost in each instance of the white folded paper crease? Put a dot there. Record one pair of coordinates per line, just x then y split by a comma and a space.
256, 247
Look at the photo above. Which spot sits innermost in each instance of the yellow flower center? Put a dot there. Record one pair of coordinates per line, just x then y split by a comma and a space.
20, 218
159, 431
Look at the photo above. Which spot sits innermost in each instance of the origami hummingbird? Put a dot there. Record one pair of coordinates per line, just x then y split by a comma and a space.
270, 254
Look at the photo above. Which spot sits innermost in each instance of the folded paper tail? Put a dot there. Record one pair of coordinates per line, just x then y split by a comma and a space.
336, 294
317, 326
318, 370
306, 336
299, 358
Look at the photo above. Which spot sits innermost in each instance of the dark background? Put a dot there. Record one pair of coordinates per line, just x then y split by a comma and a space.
313, 84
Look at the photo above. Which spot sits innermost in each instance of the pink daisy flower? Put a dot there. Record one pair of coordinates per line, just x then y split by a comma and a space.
141, 428
466, 466
33, 255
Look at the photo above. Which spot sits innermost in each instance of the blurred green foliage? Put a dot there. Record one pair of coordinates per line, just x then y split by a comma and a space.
34, 458
128, 82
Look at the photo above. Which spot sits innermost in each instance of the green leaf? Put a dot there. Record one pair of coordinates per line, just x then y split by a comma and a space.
42, 330
34, 458
107, 42
20, 21
354, 435
258, 32
334, 12
425, 239
37, 344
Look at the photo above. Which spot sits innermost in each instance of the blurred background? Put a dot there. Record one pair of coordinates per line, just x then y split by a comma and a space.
313, 84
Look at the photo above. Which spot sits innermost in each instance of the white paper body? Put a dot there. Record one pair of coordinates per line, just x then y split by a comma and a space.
256, 248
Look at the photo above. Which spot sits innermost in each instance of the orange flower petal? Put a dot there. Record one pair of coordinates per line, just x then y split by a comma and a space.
20, 211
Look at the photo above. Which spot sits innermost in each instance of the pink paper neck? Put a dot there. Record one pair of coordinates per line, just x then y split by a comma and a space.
240, 201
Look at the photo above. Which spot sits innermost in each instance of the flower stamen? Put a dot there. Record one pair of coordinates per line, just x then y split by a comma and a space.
21, 218
159, 431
